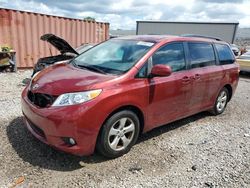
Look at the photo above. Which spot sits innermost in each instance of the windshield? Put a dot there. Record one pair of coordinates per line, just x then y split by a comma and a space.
83, 48
245, 56
114, 56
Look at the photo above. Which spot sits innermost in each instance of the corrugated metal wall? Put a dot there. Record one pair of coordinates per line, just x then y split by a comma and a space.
223, 30
22, 30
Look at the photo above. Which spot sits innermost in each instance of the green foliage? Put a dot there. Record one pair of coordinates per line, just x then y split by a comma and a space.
5, 48
89, 19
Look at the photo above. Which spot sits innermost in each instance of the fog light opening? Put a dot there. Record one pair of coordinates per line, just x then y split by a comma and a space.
69, 141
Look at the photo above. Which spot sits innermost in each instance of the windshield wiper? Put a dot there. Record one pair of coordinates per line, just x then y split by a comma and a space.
92, 68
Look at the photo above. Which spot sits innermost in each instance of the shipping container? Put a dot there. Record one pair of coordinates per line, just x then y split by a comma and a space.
22, 31
223, 30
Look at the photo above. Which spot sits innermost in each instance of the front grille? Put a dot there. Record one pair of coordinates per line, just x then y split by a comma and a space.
40, 99
36, 129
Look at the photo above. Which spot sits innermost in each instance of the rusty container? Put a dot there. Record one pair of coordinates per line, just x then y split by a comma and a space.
22, 30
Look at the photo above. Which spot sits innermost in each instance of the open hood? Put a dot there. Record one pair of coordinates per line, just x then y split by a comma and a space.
58, 43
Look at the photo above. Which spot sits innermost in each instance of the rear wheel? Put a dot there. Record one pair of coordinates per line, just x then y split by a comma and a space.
221, 102
119, 134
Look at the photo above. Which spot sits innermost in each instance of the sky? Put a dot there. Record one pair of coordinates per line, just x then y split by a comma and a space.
123, 14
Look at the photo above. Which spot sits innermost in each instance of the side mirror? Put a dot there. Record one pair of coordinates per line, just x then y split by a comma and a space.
161, 70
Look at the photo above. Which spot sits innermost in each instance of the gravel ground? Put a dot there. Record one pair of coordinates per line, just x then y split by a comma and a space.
199, 151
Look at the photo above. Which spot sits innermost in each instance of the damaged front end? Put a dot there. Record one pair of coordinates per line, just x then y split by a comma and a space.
67, 52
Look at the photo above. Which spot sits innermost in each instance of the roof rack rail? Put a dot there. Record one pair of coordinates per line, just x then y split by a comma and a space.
201, 36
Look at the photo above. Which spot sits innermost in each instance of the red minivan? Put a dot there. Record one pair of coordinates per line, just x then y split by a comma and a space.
105, 97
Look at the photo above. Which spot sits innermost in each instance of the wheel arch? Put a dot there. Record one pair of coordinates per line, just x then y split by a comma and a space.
132, 108
230, 91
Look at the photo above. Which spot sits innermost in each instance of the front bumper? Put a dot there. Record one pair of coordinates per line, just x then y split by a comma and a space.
50, 125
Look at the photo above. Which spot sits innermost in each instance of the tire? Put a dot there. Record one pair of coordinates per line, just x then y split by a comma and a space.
118, 134
221, 102
8, 69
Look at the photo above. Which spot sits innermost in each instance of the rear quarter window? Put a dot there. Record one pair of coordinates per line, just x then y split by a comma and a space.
225, 54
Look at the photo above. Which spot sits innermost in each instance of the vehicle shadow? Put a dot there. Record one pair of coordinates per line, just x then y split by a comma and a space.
245, 75
39, 154
171, 126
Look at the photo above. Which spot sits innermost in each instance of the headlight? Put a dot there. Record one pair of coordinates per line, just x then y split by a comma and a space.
76, 98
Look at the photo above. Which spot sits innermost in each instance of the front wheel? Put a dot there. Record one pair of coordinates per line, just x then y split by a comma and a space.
221, 102
118, 134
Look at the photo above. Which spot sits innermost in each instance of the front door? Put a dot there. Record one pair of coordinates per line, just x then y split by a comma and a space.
168, 95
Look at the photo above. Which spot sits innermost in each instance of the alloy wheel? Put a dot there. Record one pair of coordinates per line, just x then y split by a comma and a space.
221, 101
121, 134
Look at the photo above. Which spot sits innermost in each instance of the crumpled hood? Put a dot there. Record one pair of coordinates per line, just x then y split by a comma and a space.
58, 43
65, 78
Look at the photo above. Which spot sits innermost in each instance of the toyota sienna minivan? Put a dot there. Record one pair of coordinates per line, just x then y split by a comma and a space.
106, 97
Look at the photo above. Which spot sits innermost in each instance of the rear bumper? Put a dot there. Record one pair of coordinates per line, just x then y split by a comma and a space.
244, 65
50, 125
245, 68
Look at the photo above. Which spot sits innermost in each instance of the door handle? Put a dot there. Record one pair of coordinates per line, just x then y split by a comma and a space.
197, 76
186, 79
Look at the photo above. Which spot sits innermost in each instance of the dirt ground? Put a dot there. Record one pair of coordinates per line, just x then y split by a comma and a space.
199, 151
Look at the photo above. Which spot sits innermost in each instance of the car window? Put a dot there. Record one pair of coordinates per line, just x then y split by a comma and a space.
172, 55
201, 54
143, 72
115, 56
225, 54
83, 48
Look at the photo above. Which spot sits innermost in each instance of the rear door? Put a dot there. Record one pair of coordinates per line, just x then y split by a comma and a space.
206, 75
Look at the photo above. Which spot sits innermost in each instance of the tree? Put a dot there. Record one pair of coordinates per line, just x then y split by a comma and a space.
88, 18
